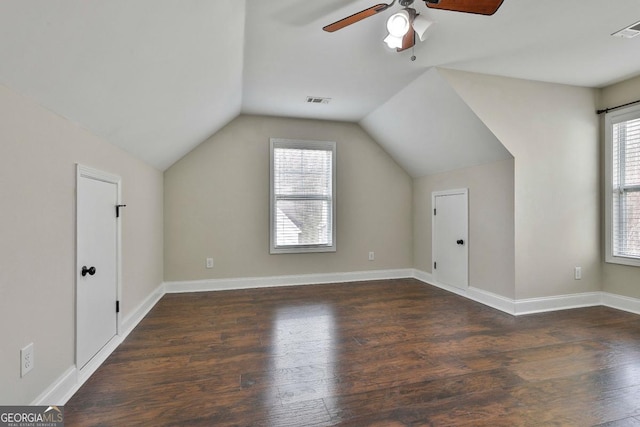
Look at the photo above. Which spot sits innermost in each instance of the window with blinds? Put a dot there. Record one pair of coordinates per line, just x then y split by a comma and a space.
623, 182
302, 180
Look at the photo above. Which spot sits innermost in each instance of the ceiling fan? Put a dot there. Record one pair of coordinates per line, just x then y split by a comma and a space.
400, 23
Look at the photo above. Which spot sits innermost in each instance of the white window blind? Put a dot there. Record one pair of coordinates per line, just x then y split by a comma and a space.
302, 196
624, 187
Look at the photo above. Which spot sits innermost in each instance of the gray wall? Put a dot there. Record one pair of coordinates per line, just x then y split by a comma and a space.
38, 153
552, 132
491, 223
217, 204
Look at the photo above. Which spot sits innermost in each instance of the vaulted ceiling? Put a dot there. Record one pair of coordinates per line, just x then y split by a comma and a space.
157, 77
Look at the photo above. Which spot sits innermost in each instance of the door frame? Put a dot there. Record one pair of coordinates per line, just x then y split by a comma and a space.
83, 171
434, 194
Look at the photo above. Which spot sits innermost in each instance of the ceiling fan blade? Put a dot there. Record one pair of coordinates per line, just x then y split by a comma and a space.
482, 7
338, 25
408, 40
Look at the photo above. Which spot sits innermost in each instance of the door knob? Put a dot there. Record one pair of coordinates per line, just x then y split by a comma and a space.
90, 270
460, 242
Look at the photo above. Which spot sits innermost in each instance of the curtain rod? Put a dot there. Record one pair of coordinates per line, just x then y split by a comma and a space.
606, 110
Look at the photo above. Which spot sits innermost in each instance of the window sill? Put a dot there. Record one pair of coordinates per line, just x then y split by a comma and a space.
302, 250
634, 262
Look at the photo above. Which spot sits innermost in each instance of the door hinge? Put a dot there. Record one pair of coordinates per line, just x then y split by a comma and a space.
118, 210
434, 265
434, 211
117, 306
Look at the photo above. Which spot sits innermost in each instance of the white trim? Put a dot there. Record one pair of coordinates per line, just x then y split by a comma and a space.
61, 390
487, 298
132, 320
622, 115
492, 300
89, 172
620, 302
56, 393
296, 144
292, 280
98, 359
536, 305
557, 302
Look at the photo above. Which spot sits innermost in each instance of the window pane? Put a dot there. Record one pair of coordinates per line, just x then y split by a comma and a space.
303, 222
626, 153
618, 137
627, 227
302, 172
632, 153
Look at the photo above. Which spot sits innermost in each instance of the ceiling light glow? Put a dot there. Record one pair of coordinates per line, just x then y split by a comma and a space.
398, 24
393, 42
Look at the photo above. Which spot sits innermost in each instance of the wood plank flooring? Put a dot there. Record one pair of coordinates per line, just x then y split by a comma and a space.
380, 353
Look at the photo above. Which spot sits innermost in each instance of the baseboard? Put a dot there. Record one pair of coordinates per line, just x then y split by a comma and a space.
273, 281
73, 378
620, 302
132, 320
519, 307
56, 393
557, 302
479, 295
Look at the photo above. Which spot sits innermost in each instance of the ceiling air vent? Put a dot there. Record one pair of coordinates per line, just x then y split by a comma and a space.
629, 32
317, 100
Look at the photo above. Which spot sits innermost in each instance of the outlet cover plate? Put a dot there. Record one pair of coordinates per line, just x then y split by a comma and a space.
26, 359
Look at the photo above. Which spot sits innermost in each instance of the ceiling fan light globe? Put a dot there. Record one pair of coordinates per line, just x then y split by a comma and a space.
399, 23
421, 26
393, 42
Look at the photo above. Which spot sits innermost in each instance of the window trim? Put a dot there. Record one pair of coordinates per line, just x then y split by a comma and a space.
308, 145
612, 118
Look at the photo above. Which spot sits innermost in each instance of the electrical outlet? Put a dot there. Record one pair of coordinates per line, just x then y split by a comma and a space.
577, 273
209, 262
26, 360
372, 256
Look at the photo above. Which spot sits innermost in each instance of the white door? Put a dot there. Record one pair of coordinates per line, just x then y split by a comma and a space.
96, 262
450, 238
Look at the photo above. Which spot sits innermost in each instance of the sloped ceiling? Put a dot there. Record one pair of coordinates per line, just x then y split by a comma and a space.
420, 140
157, 77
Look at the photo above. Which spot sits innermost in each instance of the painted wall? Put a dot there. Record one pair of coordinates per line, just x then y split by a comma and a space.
552, 132
619, 279
38, 155
491, 223
217, 204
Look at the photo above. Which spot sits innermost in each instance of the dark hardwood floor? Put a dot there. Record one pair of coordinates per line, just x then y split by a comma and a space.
382, 353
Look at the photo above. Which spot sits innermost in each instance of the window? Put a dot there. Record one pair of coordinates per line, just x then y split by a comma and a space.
622, 191
302, 179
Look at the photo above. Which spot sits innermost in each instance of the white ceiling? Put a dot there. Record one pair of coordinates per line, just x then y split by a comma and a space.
421, 141
157, 77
